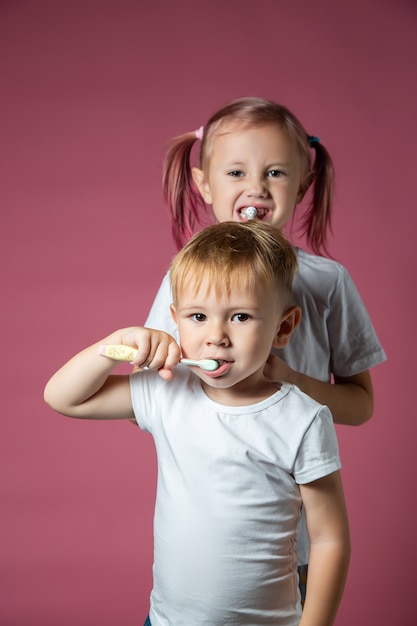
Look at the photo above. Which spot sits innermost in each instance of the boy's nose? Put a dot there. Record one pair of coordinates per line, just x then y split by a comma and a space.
217, 336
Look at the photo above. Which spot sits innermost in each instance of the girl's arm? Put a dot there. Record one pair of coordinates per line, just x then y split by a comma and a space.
85, 388
349, 399
328, 529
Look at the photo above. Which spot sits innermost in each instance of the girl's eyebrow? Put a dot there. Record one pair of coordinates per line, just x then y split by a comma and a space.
267, 166
235, 164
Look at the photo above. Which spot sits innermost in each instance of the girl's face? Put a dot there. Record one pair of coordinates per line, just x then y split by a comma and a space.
257, 167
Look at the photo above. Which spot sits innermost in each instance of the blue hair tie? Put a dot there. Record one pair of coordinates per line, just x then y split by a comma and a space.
312, 140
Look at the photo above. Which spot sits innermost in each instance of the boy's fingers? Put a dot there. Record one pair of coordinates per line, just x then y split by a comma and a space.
155, 349
144, 348
166, 356
174, 354
165, 373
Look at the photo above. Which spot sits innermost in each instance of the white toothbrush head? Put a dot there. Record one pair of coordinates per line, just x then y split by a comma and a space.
209, 365
250, 212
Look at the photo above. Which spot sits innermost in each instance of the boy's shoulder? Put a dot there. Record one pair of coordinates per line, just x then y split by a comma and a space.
294, 395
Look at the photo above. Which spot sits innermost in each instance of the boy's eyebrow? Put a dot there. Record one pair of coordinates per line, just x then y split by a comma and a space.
242, 306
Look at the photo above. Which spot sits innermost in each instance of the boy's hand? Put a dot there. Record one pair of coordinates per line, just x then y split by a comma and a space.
85, 386
156, 350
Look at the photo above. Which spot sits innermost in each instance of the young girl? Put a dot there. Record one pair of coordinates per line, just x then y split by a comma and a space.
255, 153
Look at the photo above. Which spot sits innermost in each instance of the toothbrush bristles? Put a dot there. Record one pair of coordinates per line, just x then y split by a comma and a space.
251, 212
209, 365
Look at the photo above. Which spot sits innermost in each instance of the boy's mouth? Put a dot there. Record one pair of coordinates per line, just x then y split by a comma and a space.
224, 366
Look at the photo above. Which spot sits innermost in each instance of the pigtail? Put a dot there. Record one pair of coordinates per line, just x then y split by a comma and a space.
181, 194
317, 221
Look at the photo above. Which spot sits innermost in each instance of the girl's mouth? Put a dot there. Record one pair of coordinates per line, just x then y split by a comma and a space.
250, 212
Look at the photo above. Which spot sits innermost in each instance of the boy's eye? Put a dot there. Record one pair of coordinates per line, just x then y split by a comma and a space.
275, 173
198, 317
241, 317
235, 173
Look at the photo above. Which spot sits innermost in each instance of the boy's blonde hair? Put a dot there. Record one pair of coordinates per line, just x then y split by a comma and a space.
250, 255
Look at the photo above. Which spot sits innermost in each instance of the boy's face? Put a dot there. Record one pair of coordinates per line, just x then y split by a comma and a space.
257, 167
237, 330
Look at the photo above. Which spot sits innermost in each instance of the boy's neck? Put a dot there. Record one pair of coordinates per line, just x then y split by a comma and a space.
241, 394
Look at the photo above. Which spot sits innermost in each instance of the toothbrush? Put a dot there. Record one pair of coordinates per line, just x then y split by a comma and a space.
209, 365
250, 212
126, 353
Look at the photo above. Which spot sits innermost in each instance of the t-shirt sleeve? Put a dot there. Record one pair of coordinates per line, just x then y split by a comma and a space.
354, 345
159, 316
142, 390
318, 455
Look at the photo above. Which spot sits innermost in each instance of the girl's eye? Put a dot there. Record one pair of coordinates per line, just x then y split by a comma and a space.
235, 173
241, 317
275, 173
198, 317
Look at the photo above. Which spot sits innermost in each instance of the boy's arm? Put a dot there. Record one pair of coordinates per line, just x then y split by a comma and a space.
85, 388
328, 529
350, 399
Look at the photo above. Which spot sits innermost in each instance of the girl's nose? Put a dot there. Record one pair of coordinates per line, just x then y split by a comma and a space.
256, 187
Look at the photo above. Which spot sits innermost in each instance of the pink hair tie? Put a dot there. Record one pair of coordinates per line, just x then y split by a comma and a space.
199, 133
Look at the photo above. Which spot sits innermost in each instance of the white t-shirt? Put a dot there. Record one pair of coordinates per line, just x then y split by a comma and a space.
228, 502
335, 335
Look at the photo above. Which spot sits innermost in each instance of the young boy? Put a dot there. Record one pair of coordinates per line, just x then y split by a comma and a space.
238, 455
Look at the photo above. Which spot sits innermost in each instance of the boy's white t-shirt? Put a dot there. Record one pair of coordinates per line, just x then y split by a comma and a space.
228, 502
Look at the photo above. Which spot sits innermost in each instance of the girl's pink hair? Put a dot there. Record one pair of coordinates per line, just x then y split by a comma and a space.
184, 200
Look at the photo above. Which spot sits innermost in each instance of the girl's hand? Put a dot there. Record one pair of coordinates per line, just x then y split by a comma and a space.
156, 350
349, 399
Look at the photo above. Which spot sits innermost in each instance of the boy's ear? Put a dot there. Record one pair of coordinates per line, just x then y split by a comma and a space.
173, 312
201, 183
289, 322
305, 184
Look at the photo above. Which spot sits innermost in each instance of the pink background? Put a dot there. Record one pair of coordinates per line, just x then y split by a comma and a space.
91, 91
